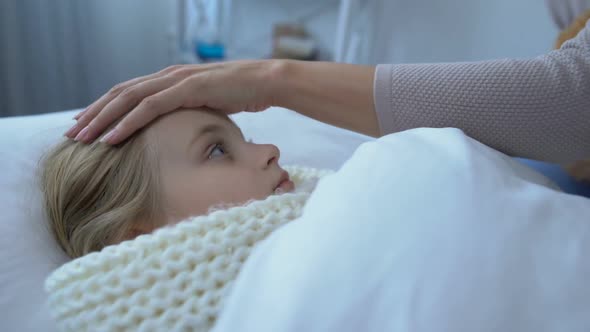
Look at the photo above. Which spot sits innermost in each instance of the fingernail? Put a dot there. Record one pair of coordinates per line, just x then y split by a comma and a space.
77, 116
71, 131
108, 138
82, 135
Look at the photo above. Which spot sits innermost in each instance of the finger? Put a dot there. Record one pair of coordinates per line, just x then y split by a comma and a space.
123, 103
91, 111
148, 110
179, 71
77, 116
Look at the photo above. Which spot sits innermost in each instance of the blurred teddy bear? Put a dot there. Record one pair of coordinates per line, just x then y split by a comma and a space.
572, 30
580, 170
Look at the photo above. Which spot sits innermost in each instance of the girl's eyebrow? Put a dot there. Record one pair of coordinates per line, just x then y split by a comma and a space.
209, 128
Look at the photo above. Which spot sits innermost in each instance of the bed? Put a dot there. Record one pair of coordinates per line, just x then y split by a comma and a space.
29, 254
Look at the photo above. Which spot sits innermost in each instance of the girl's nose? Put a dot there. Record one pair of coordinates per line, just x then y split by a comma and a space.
267, 155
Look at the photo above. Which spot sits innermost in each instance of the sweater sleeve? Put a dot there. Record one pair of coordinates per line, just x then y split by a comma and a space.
535, 108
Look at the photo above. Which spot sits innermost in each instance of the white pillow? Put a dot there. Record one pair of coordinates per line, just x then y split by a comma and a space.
27, 250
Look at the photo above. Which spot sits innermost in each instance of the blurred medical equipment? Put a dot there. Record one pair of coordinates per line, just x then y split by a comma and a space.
207, 30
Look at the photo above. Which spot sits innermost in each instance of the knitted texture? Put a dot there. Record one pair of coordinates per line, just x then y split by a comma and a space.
176, 278
534, 108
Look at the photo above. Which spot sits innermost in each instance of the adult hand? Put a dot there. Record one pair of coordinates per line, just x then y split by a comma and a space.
229, 87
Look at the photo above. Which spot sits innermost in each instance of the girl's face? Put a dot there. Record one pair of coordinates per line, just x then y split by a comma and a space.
205, 161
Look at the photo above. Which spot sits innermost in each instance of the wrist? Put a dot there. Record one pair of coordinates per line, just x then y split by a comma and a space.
277, 81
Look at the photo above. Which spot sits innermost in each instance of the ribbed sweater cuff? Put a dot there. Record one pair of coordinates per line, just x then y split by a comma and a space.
382, 89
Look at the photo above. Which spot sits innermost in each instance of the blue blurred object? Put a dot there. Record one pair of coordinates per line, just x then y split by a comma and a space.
210, 51
558, 175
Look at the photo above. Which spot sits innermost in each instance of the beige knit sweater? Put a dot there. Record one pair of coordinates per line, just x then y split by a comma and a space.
534, 108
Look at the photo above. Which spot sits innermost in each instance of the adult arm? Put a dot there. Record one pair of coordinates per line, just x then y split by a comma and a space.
334, 93
535, 108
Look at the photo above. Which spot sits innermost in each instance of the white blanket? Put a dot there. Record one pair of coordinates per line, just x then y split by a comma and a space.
425, 230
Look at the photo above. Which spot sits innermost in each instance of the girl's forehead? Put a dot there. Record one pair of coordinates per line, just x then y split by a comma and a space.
184, 120
171, 133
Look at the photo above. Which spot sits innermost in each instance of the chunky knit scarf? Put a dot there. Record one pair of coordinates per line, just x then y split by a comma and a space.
176, 278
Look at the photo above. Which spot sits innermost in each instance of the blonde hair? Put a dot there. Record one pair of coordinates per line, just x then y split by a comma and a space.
96, 194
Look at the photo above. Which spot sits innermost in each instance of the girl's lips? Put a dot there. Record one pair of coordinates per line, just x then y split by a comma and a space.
286, 186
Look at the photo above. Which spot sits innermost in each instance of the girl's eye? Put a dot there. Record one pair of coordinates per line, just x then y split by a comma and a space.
217, 151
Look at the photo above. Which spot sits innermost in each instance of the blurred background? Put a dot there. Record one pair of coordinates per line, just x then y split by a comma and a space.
63, 54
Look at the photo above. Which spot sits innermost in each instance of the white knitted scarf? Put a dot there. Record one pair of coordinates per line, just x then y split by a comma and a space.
176, 278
